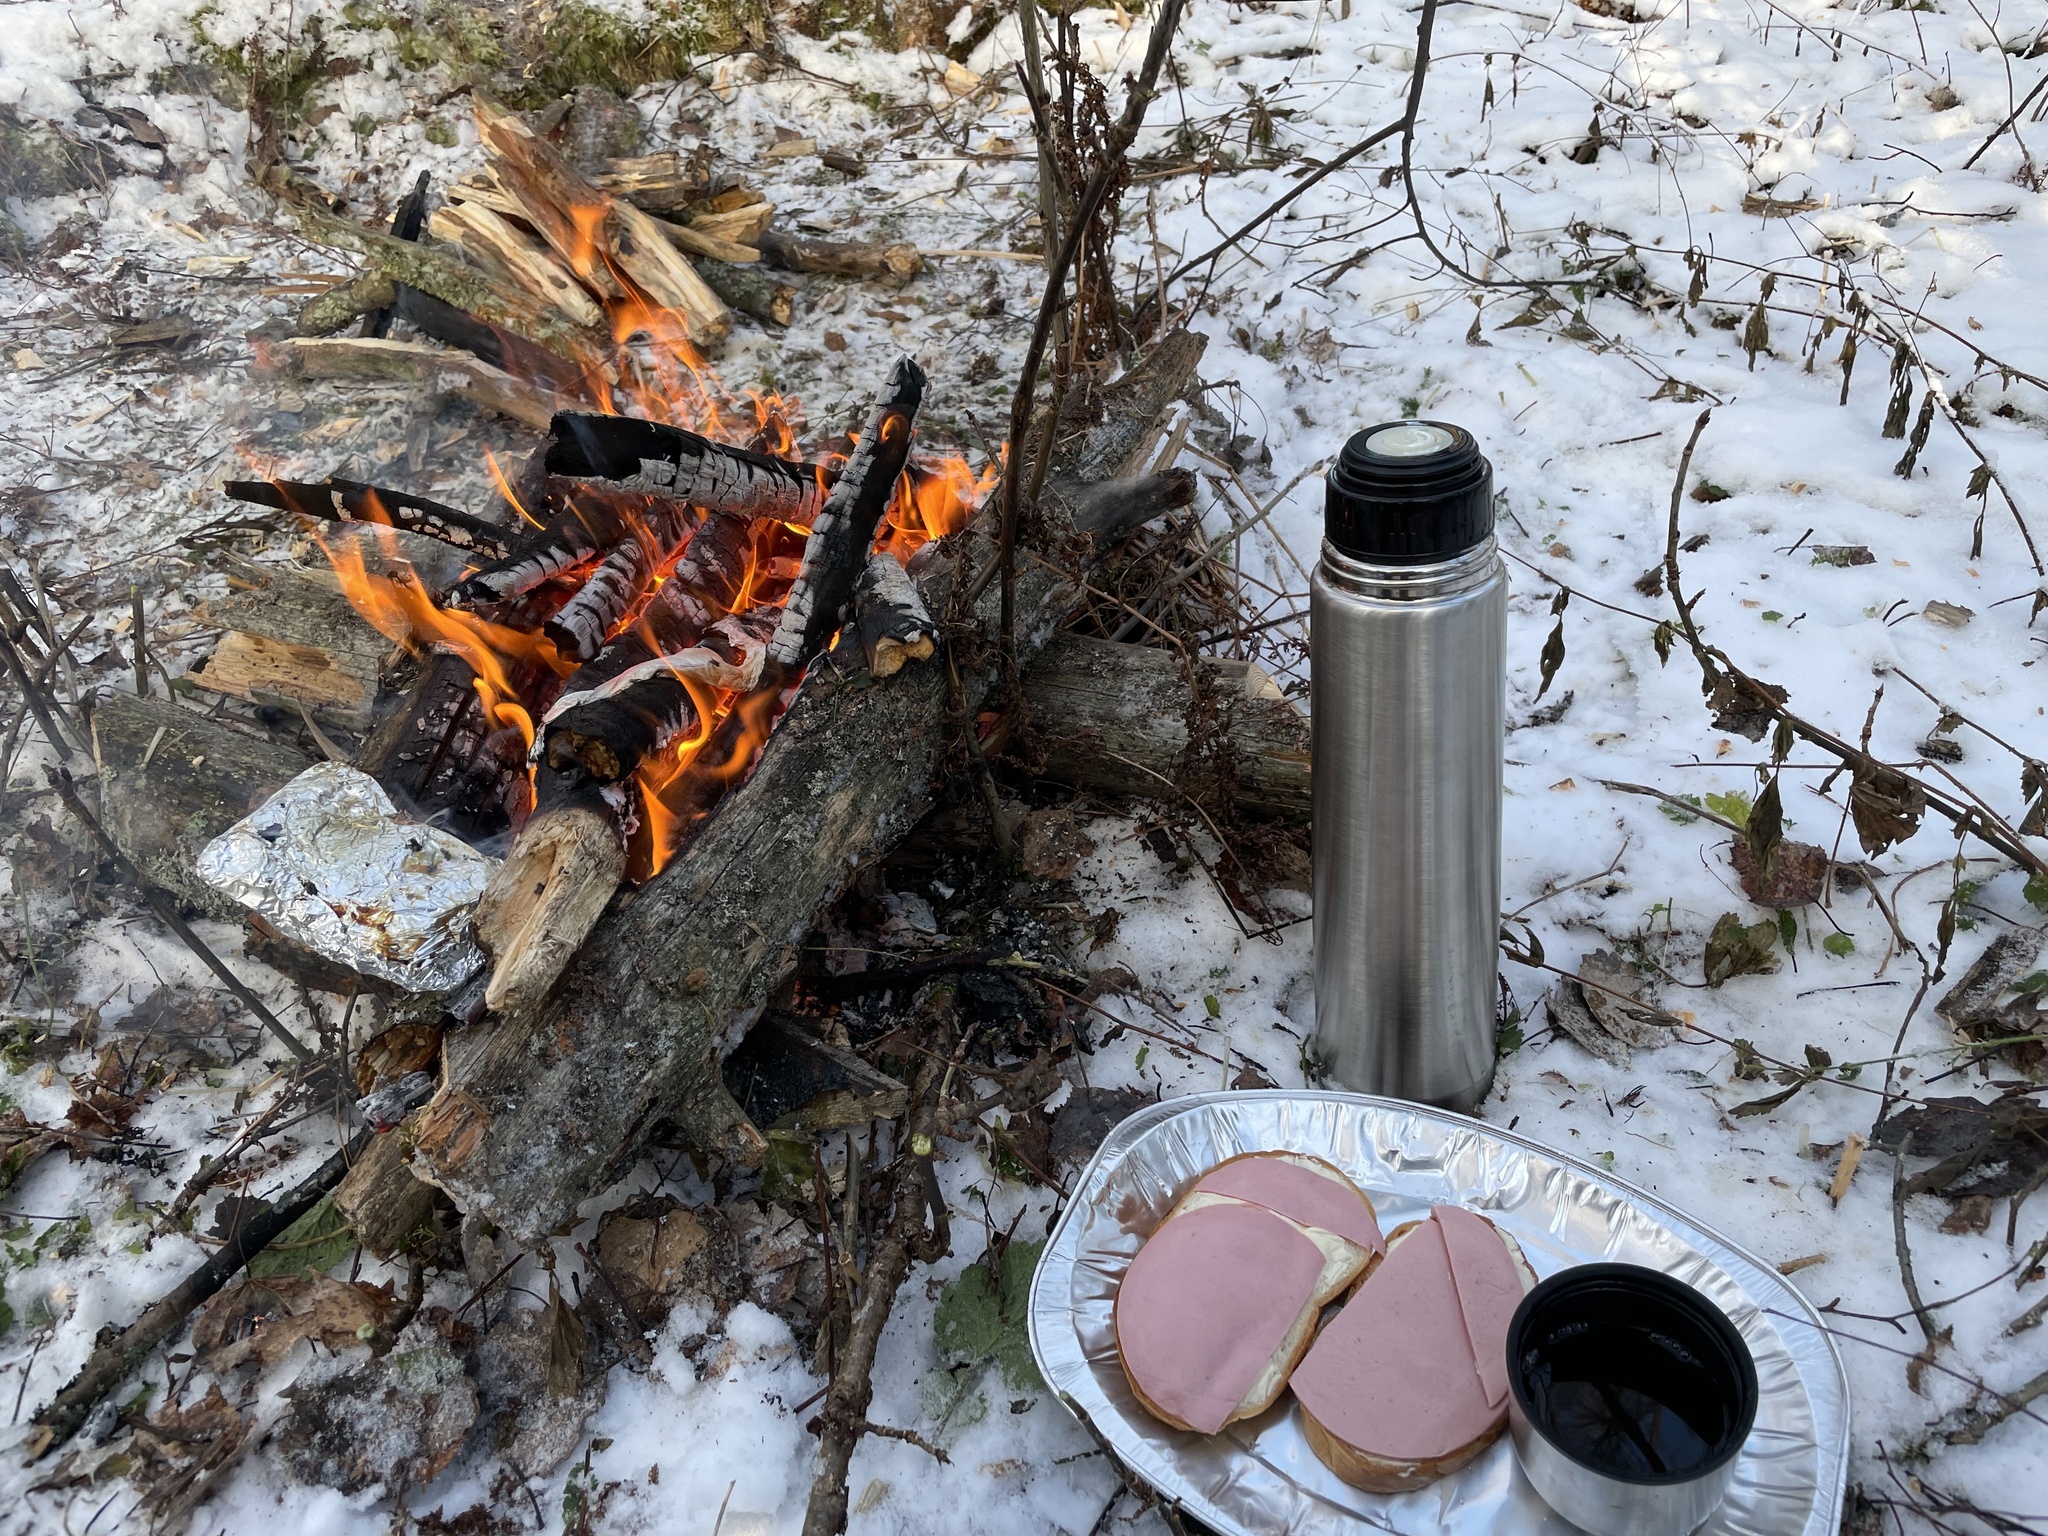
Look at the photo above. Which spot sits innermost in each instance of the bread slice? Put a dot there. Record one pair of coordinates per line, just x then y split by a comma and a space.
1378, 1471
1346, 1260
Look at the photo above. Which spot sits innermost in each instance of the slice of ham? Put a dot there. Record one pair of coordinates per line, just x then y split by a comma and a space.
1299, 1193
1489, 1290
1393, 1376
1206, 1302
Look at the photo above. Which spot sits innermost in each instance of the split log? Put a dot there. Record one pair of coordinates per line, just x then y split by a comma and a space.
700, 243
1114, 717
716, 476
463, 288
386, 1207
659, 183
583, 522
584, 224
750, 290
836, 552
890, 617
500, 247
897, 263
350, 501
787, 1079
293, 641
356, 357
738, 216
564, 868
535, 1117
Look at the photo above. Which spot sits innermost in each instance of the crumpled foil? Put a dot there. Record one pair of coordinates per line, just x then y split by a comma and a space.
1259, 1477
329, 862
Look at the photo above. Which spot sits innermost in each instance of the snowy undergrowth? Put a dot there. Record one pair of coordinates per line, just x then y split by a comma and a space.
1823, 144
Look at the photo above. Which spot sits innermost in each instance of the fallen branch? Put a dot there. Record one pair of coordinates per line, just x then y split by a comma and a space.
115, 1359
350, 501
897, 263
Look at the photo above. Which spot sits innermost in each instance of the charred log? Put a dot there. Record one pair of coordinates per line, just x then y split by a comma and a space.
350, 501
890, 617
837, 550
504, 349
716, 476
584, 522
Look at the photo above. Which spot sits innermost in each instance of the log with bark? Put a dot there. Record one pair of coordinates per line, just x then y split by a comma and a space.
534, 1115
529, 403
716, 476
750, 290
896, 262
890, 617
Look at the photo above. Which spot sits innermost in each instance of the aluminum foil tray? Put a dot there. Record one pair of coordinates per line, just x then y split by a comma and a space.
1259, 1478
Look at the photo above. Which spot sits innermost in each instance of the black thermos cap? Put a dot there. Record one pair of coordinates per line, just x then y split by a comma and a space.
1409, 493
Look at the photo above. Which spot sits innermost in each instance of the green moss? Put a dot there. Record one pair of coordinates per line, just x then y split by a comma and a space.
442, 132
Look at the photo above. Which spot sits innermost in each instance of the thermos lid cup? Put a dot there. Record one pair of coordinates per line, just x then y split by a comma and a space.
1409, 493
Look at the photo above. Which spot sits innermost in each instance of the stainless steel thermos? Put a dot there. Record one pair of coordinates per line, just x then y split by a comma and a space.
1408, 678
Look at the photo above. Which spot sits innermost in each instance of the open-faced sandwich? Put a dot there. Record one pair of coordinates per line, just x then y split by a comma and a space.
1410, 1381
1219, 1305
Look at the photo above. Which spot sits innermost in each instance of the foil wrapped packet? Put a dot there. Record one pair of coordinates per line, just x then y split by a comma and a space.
330, 863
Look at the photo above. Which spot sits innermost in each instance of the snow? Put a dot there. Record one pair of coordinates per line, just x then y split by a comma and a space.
1808, 103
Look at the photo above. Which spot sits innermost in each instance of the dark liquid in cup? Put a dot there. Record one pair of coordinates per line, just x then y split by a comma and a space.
1630, 1402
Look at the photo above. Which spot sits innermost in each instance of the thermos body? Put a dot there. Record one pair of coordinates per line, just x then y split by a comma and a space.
1407, 716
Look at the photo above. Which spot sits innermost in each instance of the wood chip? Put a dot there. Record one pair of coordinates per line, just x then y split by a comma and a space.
1852, 1154
1793, 1266
792, 149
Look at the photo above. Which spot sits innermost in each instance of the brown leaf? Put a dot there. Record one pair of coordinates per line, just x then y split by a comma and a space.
1051, 843
1970, 1218
1744, 708
1566, 1002
23, 1140
261, 1320
1736, 949
1885, 805
1614, 993
1797, 878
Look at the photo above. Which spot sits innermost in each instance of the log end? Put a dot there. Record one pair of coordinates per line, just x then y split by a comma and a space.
543, 900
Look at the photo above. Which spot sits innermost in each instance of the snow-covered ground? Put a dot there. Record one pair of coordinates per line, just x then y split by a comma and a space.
1820, 144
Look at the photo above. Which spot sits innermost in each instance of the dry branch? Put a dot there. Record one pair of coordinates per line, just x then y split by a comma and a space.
897, 263
350, 501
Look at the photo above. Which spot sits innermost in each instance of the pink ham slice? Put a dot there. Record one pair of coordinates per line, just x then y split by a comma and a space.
1298, 1193
1206, 1302
1489, 1291
1393, 1375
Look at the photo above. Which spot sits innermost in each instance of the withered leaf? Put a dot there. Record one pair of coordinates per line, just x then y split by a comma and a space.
2034, 793
1797, 879
1738, 949
1994, 1149
1885, 805
1765, 828
1614, 996
1743, 708
1552, 657
1566, 1002
261, 1320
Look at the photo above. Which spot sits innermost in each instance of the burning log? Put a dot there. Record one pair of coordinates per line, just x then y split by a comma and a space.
608, 729
896, 263
500, 247
535, 1115
584, 224
717, 476
579, 626
507, 350
841, 538
584, 521
890, 617
350, 501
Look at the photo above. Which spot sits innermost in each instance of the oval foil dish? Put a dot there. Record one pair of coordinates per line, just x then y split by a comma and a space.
1259, 1477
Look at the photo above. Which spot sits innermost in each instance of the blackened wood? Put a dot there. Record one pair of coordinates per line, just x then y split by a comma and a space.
685, 465
890, 617
787, 1079
837, 550
350, 501
115, 1359
533, 1120
581, 522
580, 627
897, 263
500, 348
407, 220
443, 369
